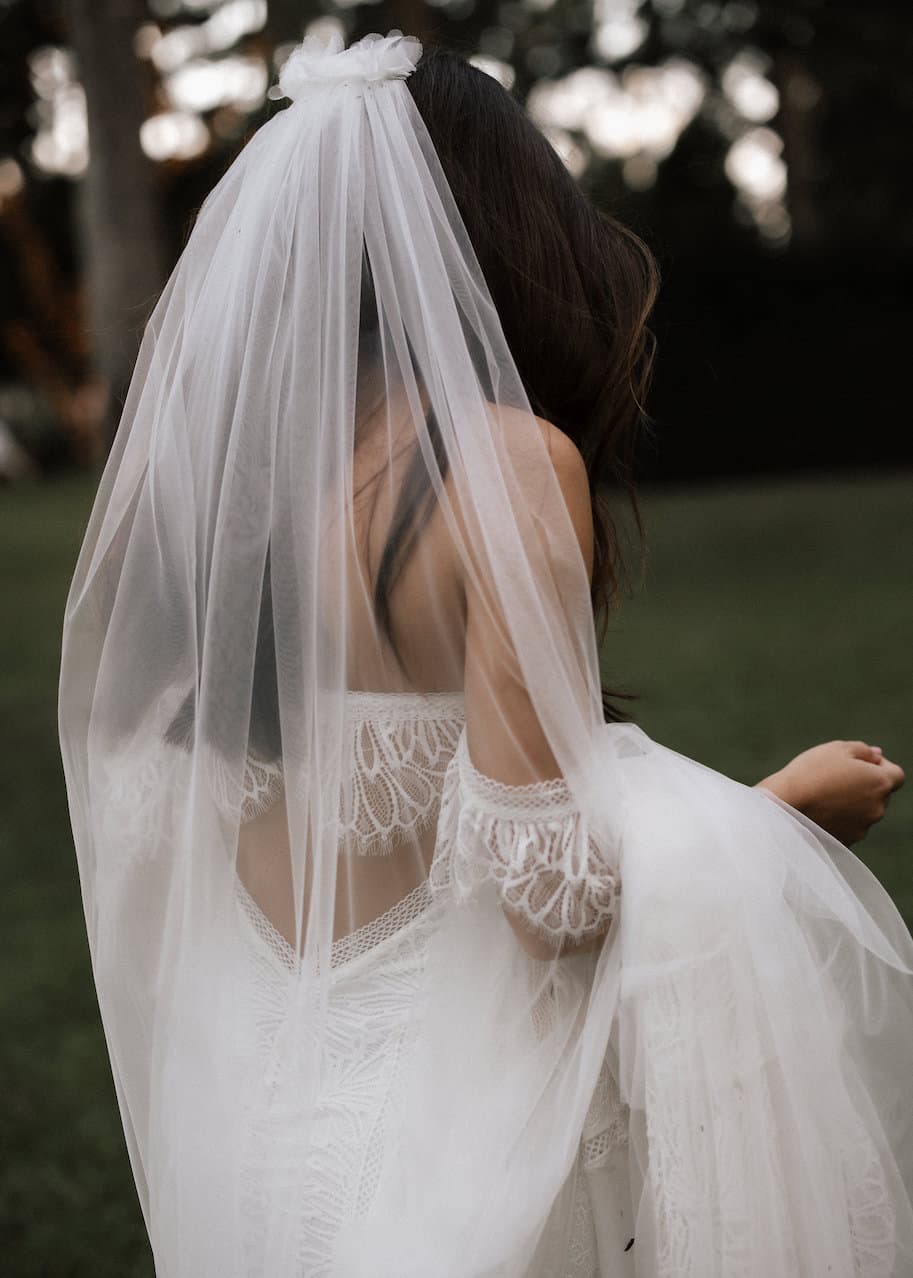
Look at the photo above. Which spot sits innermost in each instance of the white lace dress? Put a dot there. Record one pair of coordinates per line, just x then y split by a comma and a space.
410, 763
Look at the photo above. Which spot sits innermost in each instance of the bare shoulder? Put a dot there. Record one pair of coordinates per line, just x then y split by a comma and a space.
570, 470
532, 466
567, 462
563, 454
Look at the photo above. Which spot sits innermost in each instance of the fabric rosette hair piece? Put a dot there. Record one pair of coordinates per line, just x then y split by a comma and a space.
373, 59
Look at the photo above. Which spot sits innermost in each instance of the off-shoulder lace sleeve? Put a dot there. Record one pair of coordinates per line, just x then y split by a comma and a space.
533, 843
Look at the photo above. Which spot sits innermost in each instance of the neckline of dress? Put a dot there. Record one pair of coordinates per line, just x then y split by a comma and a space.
364, 704
352, 950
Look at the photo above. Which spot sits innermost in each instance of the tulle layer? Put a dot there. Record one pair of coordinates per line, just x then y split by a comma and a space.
329, 487
757, 1003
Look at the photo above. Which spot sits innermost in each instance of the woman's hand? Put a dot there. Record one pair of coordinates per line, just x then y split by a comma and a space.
843, 786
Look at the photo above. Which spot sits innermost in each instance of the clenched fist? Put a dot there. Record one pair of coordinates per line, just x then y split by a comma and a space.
843, 786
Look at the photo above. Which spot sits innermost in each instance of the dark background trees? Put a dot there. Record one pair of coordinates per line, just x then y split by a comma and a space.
759, 147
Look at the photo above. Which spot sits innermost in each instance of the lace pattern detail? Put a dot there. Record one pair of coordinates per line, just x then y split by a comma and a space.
133, 816
363, 940
693, 1162
582, 1253
397, 750
606, 1125
567, 1246
873, 1216
533, 843
400, 747
694, 1156
318, 1160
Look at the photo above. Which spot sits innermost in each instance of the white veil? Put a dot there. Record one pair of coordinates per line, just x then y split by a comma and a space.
330, 676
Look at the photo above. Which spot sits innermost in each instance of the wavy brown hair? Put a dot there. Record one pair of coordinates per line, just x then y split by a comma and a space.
573, 288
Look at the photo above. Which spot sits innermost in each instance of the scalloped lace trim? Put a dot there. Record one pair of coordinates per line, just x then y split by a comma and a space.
400, 748
260, 787
533, 843
399, 745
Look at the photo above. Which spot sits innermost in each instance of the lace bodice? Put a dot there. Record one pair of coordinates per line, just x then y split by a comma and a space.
409, 764
397, 749
410, 776
400, 746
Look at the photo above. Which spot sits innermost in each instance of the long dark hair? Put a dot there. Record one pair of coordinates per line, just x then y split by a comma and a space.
573, 288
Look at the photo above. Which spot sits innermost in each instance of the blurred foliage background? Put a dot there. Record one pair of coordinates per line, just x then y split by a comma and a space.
759, 146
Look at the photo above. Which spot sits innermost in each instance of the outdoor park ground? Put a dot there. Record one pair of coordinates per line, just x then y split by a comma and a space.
773, 615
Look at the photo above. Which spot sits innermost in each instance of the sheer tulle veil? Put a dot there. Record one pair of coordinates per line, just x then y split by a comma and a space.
324, 395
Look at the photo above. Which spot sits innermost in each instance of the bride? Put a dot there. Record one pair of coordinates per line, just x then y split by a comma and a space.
411, 965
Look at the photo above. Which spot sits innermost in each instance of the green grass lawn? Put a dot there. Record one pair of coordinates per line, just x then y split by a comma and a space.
772, 616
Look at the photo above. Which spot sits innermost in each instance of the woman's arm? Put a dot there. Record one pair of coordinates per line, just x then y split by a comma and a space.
843, 786
507, 743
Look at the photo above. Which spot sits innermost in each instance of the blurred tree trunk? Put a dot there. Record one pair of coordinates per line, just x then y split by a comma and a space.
413, 18
286, 20
122, 248
799, 98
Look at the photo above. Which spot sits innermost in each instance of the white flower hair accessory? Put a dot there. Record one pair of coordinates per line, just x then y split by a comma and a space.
369, 60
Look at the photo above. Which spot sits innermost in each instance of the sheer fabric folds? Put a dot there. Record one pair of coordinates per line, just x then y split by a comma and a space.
409, 965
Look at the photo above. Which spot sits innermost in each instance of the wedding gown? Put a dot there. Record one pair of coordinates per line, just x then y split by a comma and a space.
411, 786
337, 767
407, 751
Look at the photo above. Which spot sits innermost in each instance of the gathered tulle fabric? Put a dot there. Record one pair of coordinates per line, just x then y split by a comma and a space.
408, 963
328, 61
